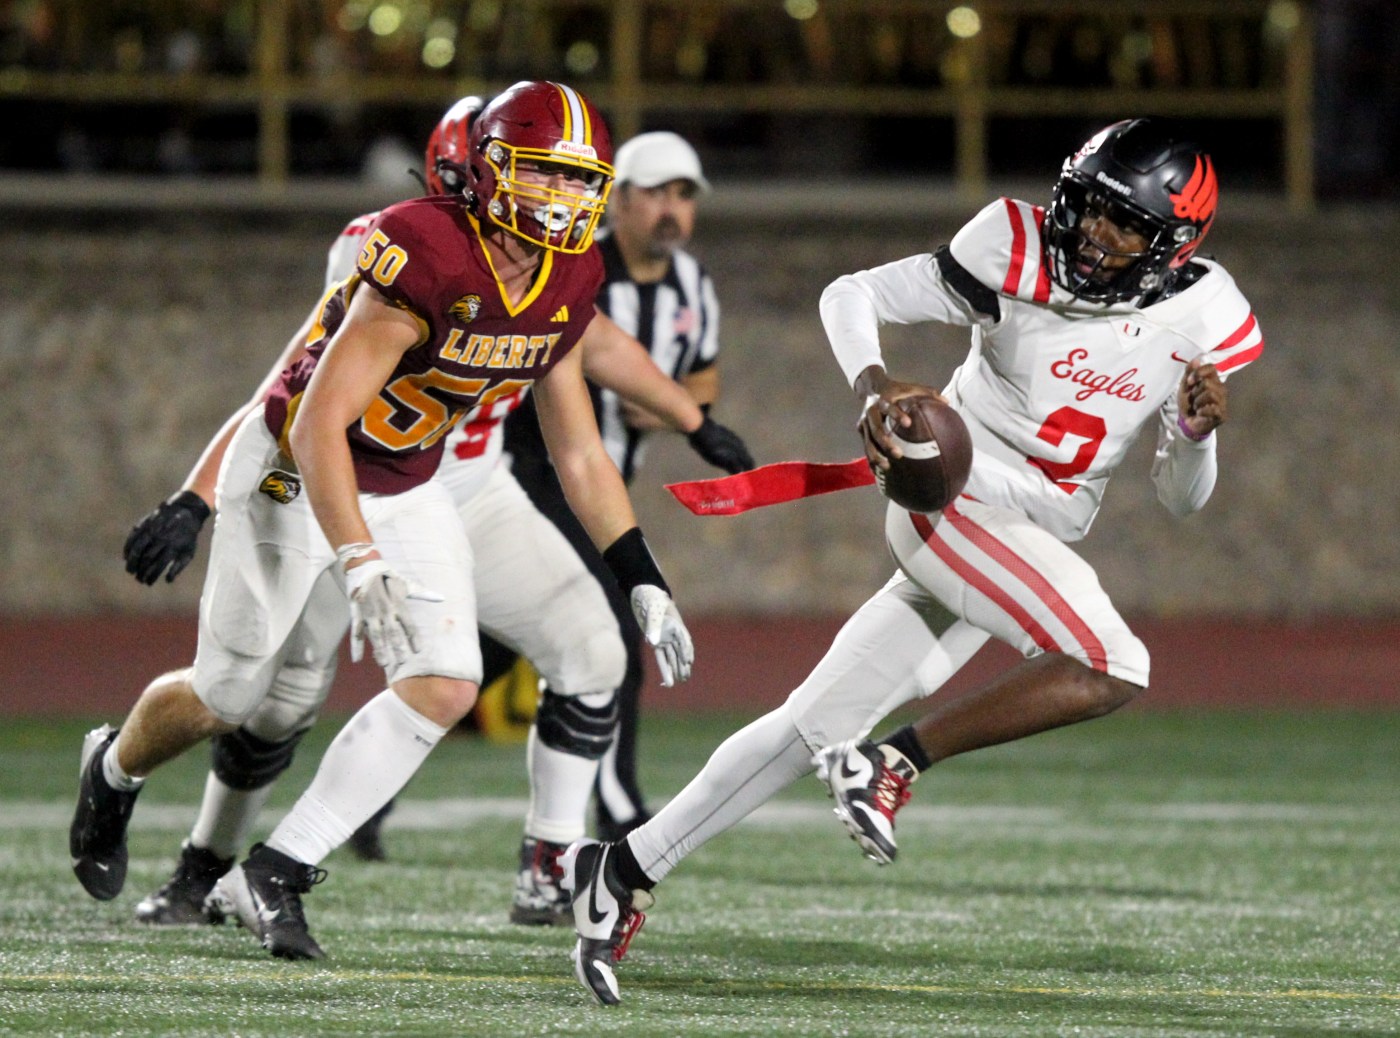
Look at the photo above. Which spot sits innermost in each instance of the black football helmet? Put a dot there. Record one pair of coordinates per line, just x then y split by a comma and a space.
1146, 179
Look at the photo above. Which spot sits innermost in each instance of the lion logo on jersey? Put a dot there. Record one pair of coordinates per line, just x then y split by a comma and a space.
282, 487
466, 309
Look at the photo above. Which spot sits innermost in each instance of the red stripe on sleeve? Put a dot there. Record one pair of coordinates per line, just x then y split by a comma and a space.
1235, 338
1018, 249
1239, 333
1042, 280
1243, 357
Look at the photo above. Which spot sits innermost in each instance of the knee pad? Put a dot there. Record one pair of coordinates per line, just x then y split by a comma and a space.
243, 761
565, 724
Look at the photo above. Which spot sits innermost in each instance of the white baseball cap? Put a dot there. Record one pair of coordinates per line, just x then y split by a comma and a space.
653, 159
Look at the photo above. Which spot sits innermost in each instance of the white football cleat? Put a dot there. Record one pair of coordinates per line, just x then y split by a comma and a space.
869, 783
606, 915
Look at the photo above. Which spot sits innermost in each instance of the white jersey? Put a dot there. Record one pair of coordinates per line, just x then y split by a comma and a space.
475, 444
1054, 391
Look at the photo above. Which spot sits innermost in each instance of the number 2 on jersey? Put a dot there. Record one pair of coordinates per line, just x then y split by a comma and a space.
1068, 422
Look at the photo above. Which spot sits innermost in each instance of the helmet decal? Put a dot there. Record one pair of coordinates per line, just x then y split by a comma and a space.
1197, 199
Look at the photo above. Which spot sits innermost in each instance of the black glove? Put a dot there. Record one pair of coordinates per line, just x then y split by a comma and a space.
721, 447
166, 537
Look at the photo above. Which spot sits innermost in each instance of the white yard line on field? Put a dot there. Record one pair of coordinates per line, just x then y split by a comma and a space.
453, 813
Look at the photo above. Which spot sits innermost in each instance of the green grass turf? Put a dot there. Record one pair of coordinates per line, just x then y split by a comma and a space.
1214, 873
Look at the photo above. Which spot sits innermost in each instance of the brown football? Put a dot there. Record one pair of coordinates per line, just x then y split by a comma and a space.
937, 458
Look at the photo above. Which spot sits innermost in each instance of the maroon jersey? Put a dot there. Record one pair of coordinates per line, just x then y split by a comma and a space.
475, 346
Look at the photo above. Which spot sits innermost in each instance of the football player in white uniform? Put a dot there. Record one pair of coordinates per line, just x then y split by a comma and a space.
1090, 322
532, 591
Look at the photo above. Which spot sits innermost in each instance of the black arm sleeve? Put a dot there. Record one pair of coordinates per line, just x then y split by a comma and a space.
978, 296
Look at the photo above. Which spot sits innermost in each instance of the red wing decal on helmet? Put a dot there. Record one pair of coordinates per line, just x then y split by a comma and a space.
1012, 285
1197, 199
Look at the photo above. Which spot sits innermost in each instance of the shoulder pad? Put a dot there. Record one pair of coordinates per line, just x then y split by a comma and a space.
1003, 248
409, 247
1218, 318
340, 258
359, 225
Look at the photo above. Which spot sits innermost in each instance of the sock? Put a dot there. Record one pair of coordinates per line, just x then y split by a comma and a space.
226, 816
561, 785
907, 742
748, 769
113, 773
629, 870
366, 765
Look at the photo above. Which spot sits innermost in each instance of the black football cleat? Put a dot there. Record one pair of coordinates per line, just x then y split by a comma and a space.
606, 915
180, 902
264, 893
97, 837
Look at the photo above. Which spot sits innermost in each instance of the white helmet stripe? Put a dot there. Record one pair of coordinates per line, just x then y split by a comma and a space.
576, 128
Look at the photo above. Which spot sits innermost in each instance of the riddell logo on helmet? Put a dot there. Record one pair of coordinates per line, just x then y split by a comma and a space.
570, 148
1117, 185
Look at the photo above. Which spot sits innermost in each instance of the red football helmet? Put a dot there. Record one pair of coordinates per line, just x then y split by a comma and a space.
540, 125
445, 161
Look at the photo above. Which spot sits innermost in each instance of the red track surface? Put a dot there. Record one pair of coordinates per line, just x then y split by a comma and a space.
97, 665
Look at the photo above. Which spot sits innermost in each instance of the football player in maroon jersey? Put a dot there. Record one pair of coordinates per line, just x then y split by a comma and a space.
452, 307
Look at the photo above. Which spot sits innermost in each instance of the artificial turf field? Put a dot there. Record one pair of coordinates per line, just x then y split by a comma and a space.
1209, 873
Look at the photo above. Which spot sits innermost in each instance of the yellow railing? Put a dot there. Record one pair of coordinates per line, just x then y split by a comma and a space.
638, 58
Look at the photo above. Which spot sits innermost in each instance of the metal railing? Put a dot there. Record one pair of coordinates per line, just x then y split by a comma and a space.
965, 75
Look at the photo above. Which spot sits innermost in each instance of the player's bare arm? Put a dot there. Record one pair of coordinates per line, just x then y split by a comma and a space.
356, 365
1202, 398
703, 385
879, 394
590, 480
595, 491
652, 400
615, 360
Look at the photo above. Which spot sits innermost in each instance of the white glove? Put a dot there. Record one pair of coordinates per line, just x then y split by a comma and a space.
665, 631
378, 611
